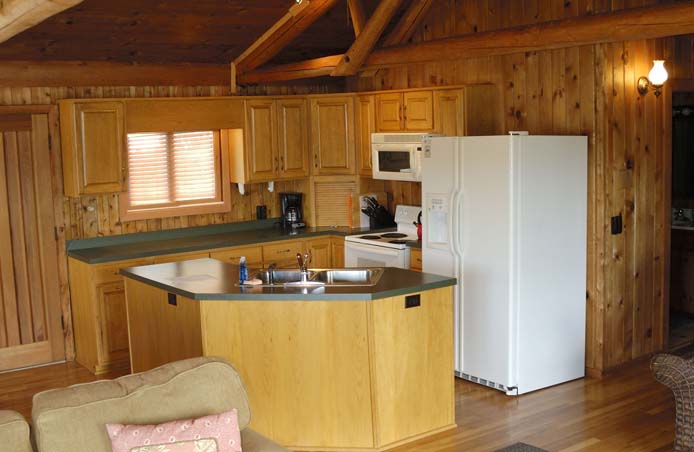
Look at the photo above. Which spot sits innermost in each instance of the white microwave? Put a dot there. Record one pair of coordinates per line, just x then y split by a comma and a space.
398, 156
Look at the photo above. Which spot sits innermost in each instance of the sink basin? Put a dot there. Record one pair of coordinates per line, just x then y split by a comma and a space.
349, 276
322, 277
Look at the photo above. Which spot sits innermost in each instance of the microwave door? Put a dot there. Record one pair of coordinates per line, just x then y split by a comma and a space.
394, 161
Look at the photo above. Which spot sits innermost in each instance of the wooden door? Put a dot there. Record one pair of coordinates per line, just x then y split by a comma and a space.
292, 126
366, 118
30, 293
99, 145
448, 112
338, 252
320, 250
389, 112
332, 135
418, 111
113, 322
261, 140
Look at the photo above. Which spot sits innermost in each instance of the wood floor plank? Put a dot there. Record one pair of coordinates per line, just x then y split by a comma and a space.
626, 411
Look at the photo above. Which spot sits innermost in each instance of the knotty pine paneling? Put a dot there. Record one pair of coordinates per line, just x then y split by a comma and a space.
589, 90
93, 216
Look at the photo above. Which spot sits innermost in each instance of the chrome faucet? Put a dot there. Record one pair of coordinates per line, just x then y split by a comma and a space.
271, 273
303, 265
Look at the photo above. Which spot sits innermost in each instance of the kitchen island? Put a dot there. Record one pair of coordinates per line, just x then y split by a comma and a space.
327, 368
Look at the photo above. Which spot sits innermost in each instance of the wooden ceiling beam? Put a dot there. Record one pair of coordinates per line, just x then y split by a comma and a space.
356, 12
650, 22
101, 73
317, 67
299, 17
364, 44
19, 15
408, 23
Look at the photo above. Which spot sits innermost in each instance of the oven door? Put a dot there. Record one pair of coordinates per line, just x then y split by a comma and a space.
396, 161
360, 255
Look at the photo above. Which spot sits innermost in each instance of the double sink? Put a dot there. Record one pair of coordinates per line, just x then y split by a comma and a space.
337, 277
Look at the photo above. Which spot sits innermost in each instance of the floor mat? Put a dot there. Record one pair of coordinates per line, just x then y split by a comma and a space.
521, 447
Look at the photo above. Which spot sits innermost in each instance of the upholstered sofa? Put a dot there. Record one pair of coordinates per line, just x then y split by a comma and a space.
73, 419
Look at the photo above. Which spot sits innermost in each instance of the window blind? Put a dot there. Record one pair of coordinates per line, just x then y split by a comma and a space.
168, 168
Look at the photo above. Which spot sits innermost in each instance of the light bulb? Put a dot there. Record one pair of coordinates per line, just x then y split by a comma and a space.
658, 74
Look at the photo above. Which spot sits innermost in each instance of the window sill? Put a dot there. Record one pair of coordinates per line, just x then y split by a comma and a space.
176, 211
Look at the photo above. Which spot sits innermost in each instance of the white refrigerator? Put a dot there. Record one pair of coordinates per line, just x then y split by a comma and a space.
507, 216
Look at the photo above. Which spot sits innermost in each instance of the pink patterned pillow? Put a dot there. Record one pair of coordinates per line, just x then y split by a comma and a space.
215, 433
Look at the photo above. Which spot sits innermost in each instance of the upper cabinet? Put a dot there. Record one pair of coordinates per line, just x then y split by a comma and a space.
274, 144
93, 145
293, 137
333, 135
410, 111
366, 125
466, 111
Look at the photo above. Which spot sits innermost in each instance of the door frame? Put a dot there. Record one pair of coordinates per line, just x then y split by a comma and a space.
671, 86
51, 111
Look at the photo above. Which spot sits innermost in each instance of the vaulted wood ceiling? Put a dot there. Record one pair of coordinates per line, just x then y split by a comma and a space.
174, 31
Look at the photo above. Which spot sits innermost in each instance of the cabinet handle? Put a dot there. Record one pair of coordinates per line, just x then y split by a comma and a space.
282, 162
315, 160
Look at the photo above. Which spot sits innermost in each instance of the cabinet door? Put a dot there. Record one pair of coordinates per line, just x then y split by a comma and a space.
98, 149
366, 125
283, 253
338, 252
261, 140
448, 112
253, 254
419, 111
113, 322
389, 112
416, 260
292, 126
332, 135
320, 250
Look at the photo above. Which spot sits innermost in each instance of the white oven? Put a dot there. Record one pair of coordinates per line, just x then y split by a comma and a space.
361, 255
398, 156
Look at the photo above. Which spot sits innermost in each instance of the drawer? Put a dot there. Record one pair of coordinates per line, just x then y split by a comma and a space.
416, 259
282, 251
106, 273
254, 255
180, 257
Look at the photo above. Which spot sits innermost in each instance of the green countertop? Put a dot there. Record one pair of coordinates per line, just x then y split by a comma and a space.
210, 279
149, 244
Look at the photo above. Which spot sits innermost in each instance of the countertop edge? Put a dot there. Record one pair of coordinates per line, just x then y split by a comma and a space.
294, 296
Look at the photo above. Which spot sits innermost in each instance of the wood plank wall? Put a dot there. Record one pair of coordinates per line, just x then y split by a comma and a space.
93, 216
586, 90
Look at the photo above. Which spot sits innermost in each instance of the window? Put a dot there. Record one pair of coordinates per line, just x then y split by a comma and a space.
174, 173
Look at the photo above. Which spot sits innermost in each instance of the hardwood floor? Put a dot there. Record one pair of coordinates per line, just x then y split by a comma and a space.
626, 411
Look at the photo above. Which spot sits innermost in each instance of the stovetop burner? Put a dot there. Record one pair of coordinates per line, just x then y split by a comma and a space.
370, 237
398, 242
393, 235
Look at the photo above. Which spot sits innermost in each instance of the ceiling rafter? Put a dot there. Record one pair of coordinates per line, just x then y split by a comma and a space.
649, 22
356, 12
19, 15
299, 17
367, 39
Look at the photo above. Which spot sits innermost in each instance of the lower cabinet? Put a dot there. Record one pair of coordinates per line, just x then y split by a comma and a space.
416, 259
337, 249
113, 315
321, 252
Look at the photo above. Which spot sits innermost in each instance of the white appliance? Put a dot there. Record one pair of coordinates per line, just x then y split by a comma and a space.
507, 216
397, 156
387, 249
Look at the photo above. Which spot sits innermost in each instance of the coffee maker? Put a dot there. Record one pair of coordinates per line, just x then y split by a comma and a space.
292, 213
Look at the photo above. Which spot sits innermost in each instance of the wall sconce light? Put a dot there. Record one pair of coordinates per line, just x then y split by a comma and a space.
656, 78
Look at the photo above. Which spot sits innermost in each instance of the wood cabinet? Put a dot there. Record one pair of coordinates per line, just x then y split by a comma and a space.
321, 252
93, 146
292, 121
337, 250
416, 259
253, 254
366, 125
261, 140
410, 111
274, 144
466, 111
283, 254
99, 314
332, 135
